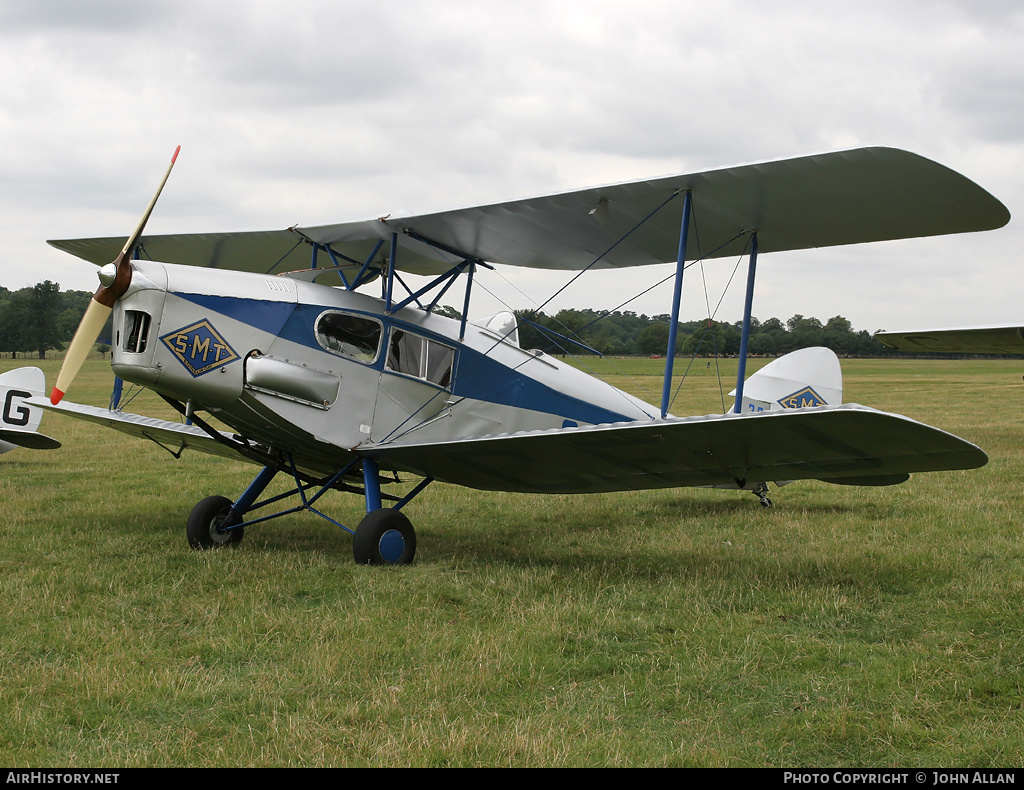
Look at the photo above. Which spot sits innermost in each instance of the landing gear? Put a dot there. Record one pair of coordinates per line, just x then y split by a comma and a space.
208, 522
384, 537
761, 492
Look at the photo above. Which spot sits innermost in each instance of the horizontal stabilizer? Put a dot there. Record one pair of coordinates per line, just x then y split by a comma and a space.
30, 440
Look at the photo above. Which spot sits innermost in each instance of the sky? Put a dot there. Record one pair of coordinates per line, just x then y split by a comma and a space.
320, 111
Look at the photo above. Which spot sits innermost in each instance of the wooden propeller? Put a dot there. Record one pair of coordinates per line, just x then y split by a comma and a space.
102, 303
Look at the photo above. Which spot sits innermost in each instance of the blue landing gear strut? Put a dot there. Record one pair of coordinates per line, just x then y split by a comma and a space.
384, 536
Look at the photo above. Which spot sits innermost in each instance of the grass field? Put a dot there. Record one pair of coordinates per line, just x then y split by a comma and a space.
844, 627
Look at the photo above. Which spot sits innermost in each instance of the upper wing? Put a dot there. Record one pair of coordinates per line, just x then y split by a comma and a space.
848, 443
971, 340
844, 197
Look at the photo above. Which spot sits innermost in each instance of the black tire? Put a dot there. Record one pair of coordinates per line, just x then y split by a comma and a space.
206, 522
384, 537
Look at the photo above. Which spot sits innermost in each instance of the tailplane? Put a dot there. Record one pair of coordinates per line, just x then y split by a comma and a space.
19, 420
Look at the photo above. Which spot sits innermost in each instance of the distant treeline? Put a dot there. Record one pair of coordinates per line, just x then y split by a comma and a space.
626, 333
40, 318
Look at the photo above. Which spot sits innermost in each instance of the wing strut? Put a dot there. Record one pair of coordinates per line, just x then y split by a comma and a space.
673, 327
677, 294
745, 334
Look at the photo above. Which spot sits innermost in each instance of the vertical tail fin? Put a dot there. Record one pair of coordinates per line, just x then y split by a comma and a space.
808, 377
19, 420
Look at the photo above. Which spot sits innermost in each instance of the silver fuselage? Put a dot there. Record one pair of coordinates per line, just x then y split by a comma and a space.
318, 371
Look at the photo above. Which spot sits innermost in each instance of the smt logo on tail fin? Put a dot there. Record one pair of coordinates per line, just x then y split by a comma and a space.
802, 399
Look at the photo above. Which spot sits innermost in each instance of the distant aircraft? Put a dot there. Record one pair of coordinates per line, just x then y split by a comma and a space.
339, 389
19, 420
1006, 339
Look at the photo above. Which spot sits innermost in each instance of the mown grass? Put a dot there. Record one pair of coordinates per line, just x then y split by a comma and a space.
844, 627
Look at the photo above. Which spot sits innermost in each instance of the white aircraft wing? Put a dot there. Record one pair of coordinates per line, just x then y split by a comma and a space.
837, 198
173, 436
844, 444
968, 340
847, 444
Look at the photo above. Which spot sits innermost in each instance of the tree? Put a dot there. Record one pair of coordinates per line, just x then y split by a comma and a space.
14, 321
530, 336
652, 339
804, 332
448, 312
39, 317
44, 314
768, 337
839, 324
706, 340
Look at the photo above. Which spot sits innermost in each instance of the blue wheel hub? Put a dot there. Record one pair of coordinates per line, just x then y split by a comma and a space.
391, 545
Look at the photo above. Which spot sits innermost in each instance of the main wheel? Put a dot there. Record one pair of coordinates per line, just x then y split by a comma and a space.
206, 522
384, 537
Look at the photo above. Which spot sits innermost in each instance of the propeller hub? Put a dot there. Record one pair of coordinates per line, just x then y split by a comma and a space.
106, 275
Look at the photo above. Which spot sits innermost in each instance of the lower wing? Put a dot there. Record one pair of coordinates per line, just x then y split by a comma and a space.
172, 436
848, 444
843, 444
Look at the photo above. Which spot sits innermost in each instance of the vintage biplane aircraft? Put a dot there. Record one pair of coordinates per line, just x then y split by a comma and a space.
342, 389
1005, 339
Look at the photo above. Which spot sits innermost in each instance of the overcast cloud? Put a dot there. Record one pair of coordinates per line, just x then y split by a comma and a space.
319, 111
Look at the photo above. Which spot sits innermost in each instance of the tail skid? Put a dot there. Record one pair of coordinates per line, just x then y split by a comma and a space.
19, 421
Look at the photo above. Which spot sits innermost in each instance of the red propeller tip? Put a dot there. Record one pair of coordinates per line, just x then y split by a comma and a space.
175, 157
55, 396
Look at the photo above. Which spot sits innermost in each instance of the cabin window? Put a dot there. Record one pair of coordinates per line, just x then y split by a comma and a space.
414, 355
349, 335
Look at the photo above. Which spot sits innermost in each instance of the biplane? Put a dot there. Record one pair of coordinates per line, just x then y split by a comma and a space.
329, 369
1002, 339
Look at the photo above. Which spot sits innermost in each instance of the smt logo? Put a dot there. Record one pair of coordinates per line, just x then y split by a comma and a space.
199, 347
801, 399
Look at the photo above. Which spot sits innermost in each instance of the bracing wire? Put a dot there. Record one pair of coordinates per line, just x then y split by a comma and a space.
600, 257
538, 308
711, 318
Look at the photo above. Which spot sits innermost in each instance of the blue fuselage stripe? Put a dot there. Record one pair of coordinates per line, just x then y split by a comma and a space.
477, 376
